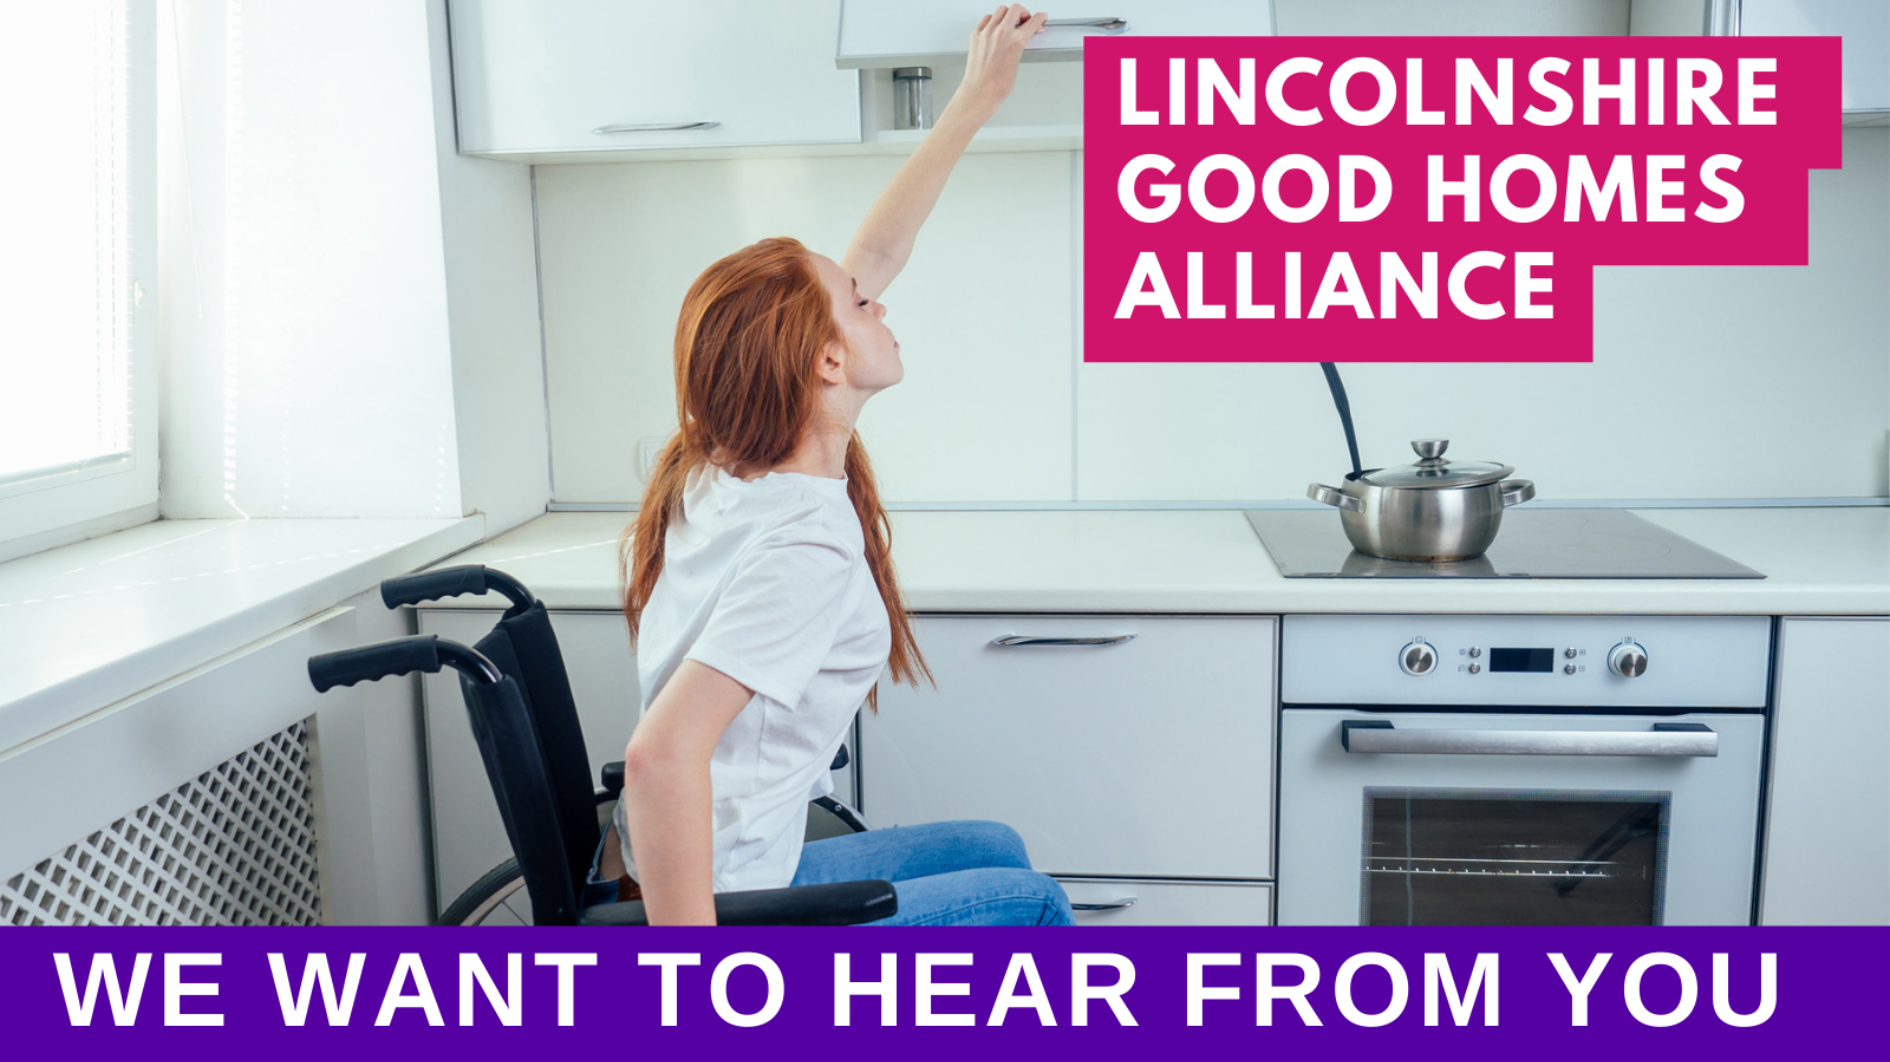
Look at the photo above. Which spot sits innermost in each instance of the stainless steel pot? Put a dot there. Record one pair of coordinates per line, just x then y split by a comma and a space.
1432, 510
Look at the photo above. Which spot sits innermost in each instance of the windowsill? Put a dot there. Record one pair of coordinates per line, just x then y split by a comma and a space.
92, 623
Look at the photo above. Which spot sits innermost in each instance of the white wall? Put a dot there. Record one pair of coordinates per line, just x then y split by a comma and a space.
335, 278
983, 313
1708, 382
492, 311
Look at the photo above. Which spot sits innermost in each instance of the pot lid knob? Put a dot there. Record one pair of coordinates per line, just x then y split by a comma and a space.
1430, 449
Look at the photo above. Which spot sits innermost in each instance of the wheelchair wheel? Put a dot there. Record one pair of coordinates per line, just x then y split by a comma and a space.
497, 899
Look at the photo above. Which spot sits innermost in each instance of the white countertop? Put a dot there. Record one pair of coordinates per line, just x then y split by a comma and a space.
1817, 561
89, 624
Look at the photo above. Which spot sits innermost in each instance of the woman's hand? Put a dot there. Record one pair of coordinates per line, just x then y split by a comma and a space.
997, 46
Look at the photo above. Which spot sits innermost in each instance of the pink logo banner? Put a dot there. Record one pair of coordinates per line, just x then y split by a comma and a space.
1429, 199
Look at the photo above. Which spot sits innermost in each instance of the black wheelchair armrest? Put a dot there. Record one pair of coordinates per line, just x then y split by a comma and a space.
844, 903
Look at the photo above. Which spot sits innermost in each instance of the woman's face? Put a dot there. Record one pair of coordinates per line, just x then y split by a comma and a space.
871, 361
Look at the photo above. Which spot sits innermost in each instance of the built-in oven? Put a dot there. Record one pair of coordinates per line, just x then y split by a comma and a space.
1520, 770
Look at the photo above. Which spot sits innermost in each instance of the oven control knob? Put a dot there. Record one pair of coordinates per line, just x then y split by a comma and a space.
1627, 660
1418, 658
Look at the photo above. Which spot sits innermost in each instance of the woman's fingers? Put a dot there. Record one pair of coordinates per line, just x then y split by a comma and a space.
988, 25
1005, 26
1030, 27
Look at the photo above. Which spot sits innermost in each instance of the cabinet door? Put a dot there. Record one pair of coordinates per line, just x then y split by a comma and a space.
1827, 847
879, 33
468, 838
1151, 756
614, 75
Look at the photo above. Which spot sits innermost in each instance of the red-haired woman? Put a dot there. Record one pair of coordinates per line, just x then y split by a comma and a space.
760, 585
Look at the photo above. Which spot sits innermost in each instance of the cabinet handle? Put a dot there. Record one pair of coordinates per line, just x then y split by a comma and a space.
1663, 739
1012, 640
1113, 905
1106, 23
654, 127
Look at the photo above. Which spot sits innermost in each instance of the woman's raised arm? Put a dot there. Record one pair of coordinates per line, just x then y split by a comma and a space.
884, 241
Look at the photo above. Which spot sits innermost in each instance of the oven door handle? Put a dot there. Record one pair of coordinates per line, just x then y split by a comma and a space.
1663, 739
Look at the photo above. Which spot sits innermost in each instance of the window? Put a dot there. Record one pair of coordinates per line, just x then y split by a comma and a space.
78, 440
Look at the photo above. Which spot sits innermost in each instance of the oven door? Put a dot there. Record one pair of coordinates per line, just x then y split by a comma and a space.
1431, 818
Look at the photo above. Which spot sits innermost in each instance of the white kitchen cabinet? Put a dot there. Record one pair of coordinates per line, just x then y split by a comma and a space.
1146, 757
1827, 831
1865, 27
1128, 902
888, 33
589, 76
468, 837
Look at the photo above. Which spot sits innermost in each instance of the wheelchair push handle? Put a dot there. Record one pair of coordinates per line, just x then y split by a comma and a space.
430, 586
398, 656
463, 579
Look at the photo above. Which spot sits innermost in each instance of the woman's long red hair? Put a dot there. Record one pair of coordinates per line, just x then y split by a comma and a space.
747, 342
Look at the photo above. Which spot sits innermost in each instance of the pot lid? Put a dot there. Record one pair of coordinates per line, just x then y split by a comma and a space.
1433, 472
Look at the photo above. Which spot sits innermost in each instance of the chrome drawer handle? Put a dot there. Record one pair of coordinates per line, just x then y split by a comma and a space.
1664, 739
1113, 905
654, 127
1011, 640
1106, 23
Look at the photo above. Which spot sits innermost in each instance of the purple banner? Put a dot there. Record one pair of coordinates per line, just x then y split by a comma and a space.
673, 993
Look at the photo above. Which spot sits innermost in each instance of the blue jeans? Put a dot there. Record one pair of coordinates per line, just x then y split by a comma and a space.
946, 874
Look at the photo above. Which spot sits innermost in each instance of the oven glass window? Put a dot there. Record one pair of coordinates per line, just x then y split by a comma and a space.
1448, 857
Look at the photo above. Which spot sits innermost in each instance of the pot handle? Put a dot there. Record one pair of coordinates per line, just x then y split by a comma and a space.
1323, 494
1517, 491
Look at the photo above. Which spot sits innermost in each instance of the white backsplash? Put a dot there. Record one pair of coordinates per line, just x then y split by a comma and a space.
1708, 382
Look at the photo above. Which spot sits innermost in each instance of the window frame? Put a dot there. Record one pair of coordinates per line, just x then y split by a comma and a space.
117, 491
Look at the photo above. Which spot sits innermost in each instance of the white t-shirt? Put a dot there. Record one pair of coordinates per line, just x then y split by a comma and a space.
766, 581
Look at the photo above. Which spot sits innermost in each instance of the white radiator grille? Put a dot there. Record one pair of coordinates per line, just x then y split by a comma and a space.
233, 846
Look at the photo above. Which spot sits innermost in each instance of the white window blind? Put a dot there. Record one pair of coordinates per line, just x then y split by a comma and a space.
66, 291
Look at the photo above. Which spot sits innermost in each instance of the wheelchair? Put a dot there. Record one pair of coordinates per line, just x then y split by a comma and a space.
525, 723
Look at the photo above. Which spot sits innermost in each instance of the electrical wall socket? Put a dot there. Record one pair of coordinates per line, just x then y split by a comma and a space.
649, 448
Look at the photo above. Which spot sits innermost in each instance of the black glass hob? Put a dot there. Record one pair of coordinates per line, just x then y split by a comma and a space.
1532, 544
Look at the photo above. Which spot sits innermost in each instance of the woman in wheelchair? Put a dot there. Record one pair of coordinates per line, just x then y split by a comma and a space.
759, 582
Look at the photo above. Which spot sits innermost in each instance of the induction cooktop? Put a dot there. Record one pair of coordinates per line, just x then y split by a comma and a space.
1532, 544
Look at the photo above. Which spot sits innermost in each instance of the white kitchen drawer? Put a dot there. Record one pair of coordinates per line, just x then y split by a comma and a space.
535, 77
878, 33
1171, 903
468, 838
1152, 757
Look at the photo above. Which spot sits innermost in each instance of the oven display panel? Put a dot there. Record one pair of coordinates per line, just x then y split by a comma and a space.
1542, 660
